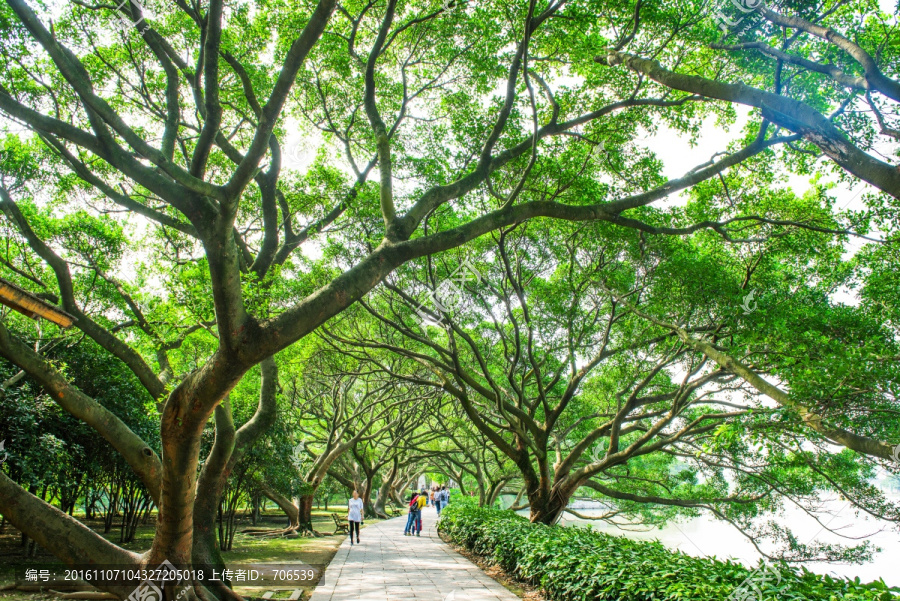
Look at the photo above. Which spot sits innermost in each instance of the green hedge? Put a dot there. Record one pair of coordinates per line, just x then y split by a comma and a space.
575, 563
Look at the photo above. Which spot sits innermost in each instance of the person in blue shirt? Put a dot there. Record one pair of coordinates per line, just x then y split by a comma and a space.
442, 498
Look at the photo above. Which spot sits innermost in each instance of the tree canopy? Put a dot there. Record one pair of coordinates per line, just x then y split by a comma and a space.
260, 215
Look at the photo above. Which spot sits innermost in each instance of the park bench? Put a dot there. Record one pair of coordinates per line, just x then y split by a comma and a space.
340, 526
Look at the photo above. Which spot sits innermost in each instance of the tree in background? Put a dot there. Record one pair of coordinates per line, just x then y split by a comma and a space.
557, 360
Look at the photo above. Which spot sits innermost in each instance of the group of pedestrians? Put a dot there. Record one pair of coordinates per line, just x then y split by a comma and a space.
438, 497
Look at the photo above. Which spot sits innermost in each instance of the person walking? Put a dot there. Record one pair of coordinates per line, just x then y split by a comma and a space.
414, 514
355, 515
441, 498
423, 498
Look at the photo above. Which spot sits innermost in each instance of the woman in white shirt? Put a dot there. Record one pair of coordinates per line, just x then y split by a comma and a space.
354, 515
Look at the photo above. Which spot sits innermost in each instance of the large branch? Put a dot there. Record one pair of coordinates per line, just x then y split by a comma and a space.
230, 446
266, 411
353, 284
856, 442
382, 141
347, 288
289, 509
701, 503
851, 81
70, 540
438, 195
123, 161
163, 52
874, 77
296, 55
78, 78
860, 444
98, 333
121, 199
142, 459
791, 114
212, 110
212, 478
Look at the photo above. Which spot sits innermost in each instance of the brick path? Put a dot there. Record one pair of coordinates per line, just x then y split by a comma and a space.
387, 566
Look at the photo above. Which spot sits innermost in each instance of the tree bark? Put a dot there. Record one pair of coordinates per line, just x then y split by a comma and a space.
304, 505
229, 448
368, 507
212, 482
547, 507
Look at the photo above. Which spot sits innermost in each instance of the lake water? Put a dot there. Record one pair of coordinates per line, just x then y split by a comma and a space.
708, 537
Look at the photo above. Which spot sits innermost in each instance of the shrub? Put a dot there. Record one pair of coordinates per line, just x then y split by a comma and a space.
578, 564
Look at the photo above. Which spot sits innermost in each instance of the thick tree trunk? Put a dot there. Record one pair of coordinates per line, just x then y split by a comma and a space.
289, 509
545, 511
396, 497
212, 482
254, 511
548, 504
368, 506
182, 422
381, 500
229, 447
305, 504
185, 414
384, 491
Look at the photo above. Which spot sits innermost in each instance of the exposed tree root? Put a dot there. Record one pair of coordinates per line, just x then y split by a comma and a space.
255, 531
291, 531
306, 529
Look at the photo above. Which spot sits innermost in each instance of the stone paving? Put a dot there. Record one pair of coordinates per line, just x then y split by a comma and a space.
387, 566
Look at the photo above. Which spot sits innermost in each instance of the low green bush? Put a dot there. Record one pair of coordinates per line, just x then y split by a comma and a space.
578, 564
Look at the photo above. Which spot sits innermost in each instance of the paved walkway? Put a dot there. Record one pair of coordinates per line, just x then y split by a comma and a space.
387, 566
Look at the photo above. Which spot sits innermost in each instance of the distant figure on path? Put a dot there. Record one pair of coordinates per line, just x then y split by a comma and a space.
415, 514
436, 499
354, 515
441, 499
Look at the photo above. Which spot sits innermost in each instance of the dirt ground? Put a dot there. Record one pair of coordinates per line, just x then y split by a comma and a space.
246, 552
